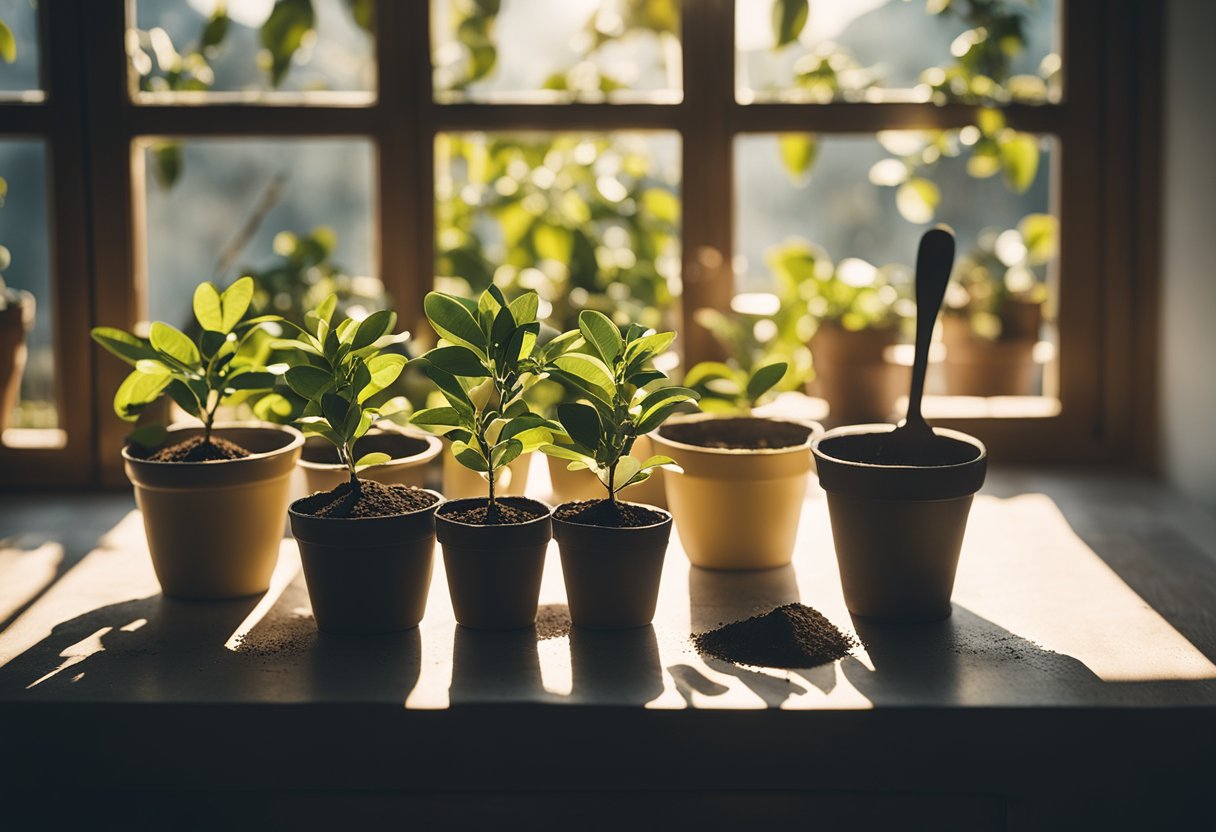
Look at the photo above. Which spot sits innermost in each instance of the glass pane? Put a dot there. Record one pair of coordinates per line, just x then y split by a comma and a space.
552, 51
588, 220
19, 51
295, 214
830, 226
322, 51
27, 337
885, 50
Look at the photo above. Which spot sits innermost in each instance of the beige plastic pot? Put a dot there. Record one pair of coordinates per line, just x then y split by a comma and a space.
460, 483
572, 486
214, 528
736, 508
410, 454
898, 529
16, 319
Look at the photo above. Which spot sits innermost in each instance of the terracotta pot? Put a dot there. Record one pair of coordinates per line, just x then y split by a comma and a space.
612, 575
897, 529
977, 366
369, 574
460, 483
214, 528
737, 509
572, 486
853, 374
410, 454
494, 572
16, 320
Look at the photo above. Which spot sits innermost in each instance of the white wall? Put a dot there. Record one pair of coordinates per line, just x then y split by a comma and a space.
1188, 324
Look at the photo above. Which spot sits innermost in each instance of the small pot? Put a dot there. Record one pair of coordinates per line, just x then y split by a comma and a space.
494, 572
737, 508
16, 319
460, 483
897, 529
612, 575
977, 366
853, 374
368, 574
410, 454
214, 528
573, 486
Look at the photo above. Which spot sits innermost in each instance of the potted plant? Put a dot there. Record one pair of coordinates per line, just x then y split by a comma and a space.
16, 320
738, 498
212, 495
612, 551
409, 456
493, 546
994, 310
366, 546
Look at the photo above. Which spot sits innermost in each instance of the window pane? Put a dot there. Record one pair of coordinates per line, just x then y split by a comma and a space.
835, 238
883, 50
295, 214
257, 50
27, 337
587, 220
19, 70
556, 50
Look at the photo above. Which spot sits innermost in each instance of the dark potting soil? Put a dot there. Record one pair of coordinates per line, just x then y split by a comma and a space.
552, 621
607, 513
373, 500
502, 515
195, 449
877, 449
790, 636
742, 433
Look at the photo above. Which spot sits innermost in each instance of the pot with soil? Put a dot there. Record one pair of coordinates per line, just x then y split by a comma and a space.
16, 320
1001, 366
408, 455
853, 374
738, 501
898, 523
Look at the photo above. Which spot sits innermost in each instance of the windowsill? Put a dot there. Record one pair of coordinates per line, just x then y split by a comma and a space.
28, 438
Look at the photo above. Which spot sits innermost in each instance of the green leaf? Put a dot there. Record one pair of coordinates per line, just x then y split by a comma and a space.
504, 453
308, 381
521, 344
8, 44
581, 423
658, 460
124, 345
798, 152
152, 367
470, 457
602, 335
323, 314
789, 18
649, 346
137, 391
211, 342
626, 469
523, 308
235, 302
450, 387
434, 417
207, 309
764, 379
171, 342
457, 360
250, 380
657, 416
917, 200
1020, 161
273, 408
283, 33
383, 370
372, 327
563, 452
707, 371
454, 322
560, 344
215, 30
186, 397
335, 409
367, 460
590, 370
666, 394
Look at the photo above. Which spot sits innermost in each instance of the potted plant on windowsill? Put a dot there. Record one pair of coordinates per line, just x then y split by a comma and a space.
612, 552
212, 496
366, 546
738, 498
16, 320
493, 547
994, 310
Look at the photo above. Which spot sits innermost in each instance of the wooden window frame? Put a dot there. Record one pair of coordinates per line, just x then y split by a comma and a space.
1105, 178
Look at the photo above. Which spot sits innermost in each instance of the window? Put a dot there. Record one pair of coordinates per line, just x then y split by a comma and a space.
653, 156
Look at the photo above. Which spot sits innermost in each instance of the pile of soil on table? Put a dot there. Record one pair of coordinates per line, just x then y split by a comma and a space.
195, 449
552, 621
608, 514
372, 500
792, 636
503, 514
744, 433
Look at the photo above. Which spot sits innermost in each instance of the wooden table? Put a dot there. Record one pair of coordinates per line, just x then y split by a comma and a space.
1077, 666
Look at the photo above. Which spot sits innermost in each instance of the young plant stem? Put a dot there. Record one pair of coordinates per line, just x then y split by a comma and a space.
612, 483
348, 452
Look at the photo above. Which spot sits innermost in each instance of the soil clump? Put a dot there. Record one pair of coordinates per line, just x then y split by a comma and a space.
792, 636
195, 449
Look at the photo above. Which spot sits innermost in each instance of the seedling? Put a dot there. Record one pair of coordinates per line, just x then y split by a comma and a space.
345, 367
199, 374
613, 376
727, 389
485, 361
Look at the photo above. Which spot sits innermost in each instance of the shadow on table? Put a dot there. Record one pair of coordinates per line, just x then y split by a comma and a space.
616, 666
495, 666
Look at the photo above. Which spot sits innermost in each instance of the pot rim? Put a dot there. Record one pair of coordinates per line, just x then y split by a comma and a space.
667, 518
291, 510
816, 430
461, 524
297, 441
879, 428
433, 448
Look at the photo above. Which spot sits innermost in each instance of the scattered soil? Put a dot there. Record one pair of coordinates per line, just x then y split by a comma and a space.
195, 449
552, 621
372, 500
792, 636
732, 434
607, 513
502, 515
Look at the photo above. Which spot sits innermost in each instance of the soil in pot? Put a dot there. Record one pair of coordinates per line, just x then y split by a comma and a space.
744, 433
615, 515
195, 449
791, 636
500, 514
372, 500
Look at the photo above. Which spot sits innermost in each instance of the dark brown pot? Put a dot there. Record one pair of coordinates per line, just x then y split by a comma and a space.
16, 320
853, 374
976, 366
494, 571
612, 575
367, 574
898, 529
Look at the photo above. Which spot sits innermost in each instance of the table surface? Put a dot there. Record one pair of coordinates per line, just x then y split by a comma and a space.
1078, 591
